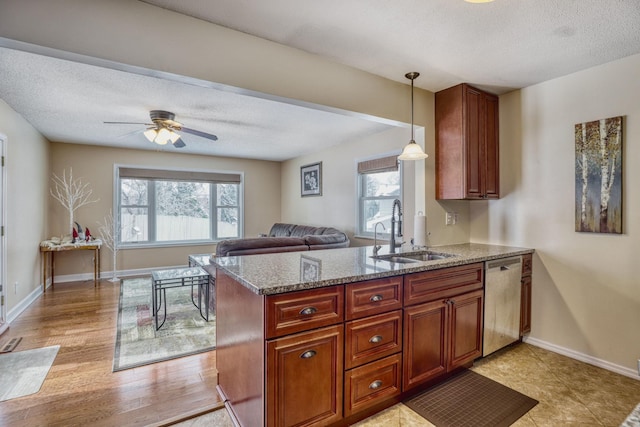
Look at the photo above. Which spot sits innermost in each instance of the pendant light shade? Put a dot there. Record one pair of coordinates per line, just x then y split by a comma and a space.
412, 151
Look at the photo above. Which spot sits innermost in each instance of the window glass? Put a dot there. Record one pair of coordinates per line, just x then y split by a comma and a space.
162, 210
377, 191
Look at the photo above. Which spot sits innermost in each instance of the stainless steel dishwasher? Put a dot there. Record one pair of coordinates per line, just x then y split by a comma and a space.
502, 288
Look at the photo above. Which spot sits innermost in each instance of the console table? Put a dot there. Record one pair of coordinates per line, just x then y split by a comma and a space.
49, 249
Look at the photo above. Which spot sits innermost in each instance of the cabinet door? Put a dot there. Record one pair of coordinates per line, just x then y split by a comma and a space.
466, 328
424, 349
305, 378
474, 146
491, 179
525, 306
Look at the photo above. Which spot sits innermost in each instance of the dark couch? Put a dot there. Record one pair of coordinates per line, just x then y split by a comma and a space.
285, 238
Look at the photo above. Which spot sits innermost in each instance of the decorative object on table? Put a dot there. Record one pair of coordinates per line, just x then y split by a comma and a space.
137, 341
74, 235
87, 234
598, 180
109, 231
71, 193
23, 372
311, 180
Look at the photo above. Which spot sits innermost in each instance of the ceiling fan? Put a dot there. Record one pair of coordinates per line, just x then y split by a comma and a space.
164, 129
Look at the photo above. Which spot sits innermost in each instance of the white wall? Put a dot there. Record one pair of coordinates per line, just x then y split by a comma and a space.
27, 164
586, 293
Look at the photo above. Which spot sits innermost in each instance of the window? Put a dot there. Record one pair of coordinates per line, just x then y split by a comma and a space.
379, 184
165, 206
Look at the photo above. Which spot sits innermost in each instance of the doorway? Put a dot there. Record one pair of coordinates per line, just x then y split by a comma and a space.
3, 238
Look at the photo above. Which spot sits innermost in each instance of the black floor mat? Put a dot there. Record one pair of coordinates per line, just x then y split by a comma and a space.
469, 399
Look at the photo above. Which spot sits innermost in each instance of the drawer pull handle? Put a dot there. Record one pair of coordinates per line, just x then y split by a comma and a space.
308, 310
375, 385
375, 339
376, 298
308, 354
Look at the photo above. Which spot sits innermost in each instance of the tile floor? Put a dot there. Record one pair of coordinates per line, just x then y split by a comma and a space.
571, 393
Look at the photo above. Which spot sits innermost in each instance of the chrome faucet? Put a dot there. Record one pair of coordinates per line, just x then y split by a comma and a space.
376, 247
392, 243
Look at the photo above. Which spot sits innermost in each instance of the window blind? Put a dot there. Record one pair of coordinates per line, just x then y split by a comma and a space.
383, 164
180, 175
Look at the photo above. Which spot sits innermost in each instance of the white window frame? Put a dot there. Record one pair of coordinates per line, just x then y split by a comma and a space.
213, 206
360, 226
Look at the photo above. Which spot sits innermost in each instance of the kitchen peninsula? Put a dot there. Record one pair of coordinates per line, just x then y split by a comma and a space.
332, 336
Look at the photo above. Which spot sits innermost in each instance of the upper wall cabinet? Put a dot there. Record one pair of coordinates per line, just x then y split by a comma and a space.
467, 161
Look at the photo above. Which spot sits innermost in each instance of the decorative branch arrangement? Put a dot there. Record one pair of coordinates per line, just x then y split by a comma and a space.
71, 193
108, 234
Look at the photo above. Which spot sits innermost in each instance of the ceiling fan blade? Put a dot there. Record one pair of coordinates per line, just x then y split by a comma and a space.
199, 133
128, 123
179, 143
127, 135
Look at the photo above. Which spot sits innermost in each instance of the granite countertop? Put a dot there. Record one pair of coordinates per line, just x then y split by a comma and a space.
278, 273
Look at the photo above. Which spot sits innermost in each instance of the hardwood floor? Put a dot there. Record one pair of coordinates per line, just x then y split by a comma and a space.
81, 389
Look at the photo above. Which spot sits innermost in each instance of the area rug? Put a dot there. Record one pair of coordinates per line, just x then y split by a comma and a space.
184, 332
23, 372
470, 399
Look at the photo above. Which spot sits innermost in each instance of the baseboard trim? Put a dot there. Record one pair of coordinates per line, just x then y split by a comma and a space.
22, 305
622, 370
109, 274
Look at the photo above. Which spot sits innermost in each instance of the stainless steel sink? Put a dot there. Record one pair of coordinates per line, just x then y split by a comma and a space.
429, 256
396, 259
413, 257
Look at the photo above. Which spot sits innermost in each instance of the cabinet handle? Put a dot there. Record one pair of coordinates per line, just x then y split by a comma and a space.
376, 298
376, 384
308, 310
375, 339
308, 354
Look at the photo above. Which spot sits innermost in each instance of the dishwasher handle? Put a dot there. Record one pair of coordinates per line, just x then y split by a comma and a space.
504, 264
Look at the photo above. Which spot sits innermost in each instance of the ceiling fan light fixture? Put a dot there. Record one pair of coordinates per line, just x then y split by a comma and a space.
412, 151
173, 136
150, 134
163, 136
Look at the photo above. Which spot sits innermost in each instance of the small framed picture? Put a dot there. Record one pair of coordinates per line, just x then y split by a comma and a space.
310, 268
311, 180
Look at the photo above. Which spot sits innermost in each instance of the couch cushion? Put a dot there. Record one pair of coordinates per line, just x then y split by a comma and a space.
281, 230
259, 245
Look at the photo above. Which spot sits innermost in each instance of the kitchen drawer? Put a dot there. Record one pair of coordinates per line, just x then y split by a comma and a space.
372, 338
527, 264
442, 283
373, 297
371, 384
300, 311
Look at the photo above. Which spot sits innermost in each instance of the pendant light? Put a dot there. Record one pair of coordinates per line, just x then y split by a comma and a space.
412, 151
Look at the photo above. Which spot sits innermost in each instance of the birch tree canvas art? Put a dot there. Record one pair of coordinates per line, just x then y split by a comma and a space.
599, 176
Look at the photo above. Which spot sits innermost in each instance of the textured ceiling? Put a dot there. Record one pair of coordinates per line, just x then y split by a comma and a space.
500, 46
503, 45
71, 101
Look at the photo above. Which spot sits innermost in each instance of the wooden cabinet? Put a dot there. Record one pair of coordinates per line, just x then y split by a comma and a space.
304, 378
337, 354
373, 343
525, 295
443, 330
467, 155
